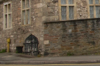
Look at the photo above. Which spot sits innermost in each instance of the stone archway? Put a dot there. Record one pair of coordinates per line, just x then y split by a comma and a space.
31, 44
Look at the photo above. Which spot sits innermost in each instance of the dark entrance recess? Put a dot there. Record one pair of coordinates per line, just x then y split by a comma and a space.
31, 45
19, 49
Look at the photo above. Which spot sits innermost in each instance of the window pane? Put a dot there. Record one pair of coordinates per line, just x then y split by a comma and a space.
96, 1
71, 12
5, 8
9, 7
23, 16
90, 1
63, 12
63, 1
70, 1
28, 16
23, 4
5, 21
27, 3
9, 20
97, 11
91, 12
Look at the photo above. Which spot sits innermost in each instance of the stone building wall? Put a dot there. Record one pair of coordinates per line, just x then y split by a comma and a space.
82, 9
41, 11
78, 37
18, 33
1, 27
51, 10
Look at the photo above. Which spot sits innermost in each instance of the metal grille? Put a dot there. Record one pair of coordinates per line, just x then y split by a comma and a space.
31, 44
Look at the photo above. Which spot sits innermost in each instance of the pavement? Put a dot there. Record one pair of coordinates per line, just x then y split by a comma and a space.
13, 58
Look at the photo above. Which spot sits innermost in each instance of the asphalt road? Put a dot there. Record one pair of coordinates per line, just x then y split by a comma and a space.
94, 64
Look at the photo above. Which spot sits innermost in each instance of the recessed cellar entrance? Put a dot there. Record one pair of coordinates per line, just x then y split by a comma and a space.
19, 49
31, 45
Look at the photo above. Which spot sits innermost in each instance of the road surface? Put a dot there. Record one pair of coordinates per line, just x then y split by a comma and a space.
92, 64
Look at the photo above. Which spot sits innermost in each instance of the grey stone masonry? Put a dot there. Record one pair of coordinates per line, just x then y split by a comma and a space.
76, 36
73, 37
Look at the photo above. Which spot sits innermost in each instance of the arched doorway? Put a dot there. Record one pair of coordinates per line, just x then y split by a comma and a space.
31, 45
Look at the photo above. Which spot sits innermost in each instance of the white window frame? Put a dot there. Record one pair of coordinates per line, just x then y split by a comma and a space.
8, 23
67, 9
25, 9
94, 5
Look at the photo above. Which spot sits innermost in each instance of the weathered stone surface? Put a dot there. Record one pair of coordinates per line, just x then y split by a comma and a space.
72, 35
69, 40
18, 33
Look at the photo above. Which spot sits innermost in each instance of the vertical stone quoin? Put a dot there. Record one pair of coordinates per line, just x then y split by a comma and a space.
50, 10
82, 9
